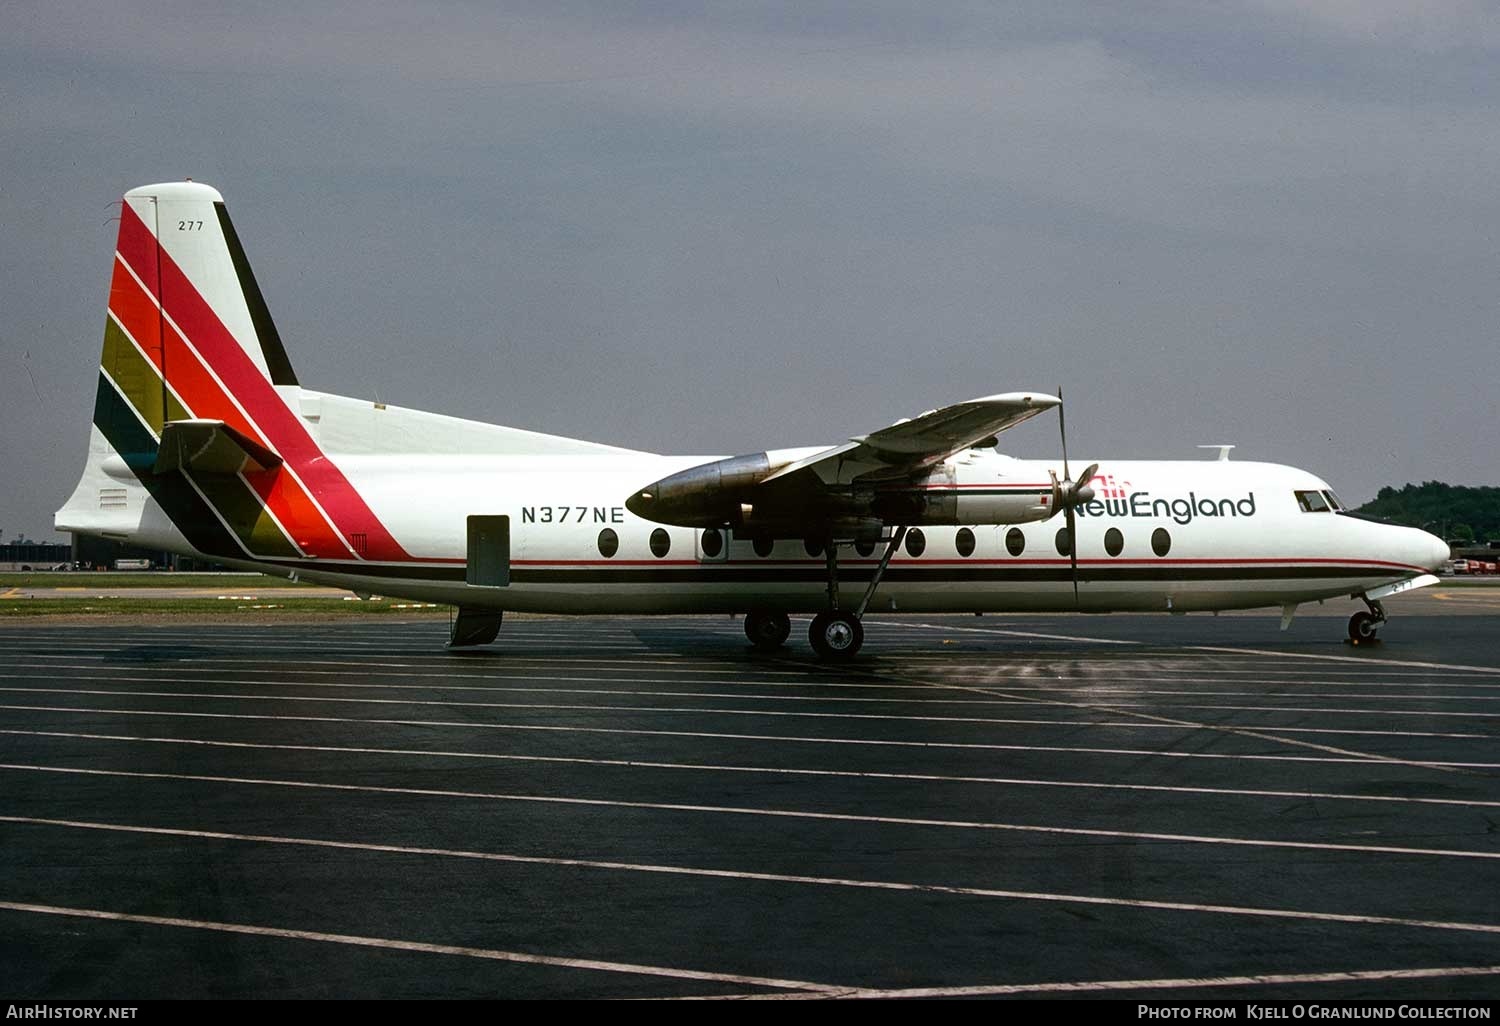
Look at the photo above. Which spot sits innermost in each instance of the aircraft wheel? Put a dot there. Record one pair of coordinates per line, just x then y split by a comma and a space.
768, 631
836, 635
1362, 627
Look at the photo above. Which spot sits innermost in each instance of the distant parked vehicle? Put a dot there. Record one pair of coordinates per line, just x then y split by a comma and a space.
132, 564
1460, 566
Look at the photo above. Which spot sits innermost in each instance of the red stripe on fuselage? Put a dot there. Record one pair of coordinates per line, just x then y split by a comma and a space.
282, 430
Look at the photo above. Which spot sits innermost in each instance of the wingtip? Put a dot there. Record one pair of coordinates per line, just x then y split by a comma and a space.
1038, 399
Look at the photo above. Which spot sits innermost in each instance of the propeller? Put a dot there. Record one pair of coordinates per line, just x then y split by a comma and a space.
1068, 494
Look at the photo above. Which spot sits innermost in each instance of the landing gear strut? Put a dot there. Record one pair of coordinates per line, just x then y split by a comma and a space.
836, 633
767, 631
1363, 626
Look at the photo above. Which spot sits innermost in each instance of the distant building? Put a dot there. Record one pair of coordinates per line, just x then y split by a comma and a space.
35, 555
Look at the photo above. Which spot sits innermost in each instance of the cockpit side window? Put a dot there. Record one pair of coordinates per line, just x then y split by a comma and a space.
1333, 500
1311, 502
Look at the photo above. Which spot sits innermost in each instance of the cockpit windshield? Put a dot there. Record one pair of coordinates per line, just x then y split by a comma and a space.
1312, 502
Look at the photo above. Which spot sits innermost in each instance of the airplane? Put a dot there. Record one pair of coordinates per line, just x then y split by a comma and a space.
205, 443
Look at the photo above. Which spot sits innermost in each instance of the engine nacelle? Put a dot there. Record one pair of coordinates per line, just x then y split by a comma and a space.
949, 497
712, 494
729, 491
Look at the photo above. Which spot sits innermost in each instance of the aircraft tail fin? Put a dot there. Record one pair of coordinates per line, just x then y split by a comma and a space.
184, 308
203, 438
195, 405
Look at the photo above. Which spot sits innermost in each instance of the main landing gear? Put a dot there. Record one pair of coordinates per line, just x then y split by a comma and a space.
768, 631
837, 634
1363, 626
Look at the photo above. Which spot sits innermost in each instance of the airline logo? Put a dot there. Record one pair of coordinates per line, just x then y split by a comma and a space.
1180, 509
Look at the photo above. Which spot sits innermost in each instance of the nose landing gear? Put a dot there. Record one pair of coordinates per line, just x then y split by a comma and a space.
1363, 626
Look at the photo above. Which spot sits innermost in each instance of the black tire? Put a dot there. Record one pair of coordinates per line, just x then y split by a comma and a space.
768, 631
836, 636
1362, 627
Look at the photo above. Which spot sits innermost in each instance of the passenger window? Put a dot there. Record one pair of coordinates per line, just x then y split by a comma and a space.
1064, 541
964, 542
763, 544
812, 547
1161, 541
661, 543
1114, 541
712, 542
1311, 502
609, 542
916, 542
865, 547
1015, 541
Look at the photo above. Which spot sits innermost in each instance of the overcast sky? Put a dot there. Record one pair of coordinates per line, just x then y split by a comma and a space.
722, 227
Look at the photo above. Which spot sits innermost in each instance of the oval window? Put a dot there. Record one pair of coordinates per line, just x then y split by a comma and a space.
964, 542
1161, 541
763, 544
1015, 541
916, 542
1064, 543
712, 542
661, 543
1114, 541
609, 542
865, 546
812, 547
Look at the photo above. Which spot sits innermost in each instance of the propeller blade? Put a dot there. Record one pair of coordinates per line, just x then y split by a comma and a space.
1062, 426
1081, 491
1073, 553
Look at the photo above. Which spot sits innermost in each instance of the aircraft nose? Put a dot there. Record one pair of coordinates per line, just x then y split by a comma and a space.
1438, 552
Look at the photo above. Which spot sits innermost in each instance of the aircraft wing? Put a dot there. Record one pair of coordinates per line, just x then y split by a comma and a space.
802, 492
909, 445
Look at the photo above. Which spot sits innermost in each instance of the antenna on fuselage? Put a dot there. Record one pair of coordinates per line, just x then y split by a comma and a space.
1223, 451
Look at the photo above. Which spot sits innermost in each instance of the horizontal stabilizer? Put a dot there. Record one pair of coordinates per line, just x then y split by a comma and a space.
209, 447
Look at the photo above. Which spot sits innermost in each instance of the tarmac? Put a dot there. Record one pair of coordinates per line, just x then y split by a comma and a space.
1123, 807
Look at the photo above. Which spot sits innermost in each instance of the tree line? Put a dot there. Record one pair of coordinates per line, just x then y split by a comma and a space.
1454, 512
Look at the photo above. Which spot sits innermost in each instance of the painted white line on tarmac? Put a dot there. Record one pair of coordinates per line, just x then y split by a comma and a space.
731, 810
722, 736
1225, 729
1225, 649
1341, 754
1304, 795
1356, 919
1179, 983
417, 946
1055, 686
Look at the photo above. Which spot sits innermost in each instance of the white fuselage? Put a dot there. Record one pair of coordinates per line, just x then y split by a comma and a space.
1235, 537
